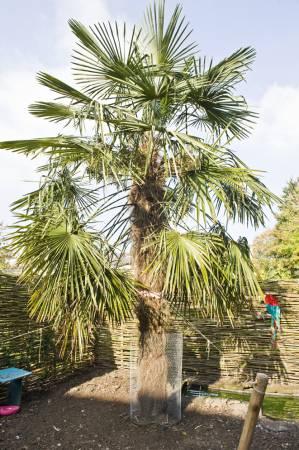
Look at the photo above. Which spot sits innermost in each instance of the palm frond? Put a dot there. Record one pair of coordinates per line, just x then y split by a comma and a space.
168, 42
67, 268
106, 59
54, 112
211, 180
61, 88
37, 146
208, 95
235, 192
99, 159
64, 188
204, 271
238, 267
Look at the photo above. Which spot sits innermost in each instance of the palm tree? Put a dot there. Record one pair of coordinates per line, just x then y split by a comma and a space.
147, 168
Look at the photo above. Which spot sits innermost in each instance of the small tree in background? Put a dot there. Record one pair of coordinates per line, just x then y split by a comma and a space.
276, 251
143, 165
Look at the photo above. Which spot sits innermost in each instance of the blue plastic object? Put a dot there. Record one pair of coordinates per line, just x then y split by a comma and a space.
14, 377
12, 373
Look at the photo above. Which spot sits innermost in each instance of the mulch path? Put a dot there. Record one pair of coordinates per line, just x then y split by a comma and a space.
91, 411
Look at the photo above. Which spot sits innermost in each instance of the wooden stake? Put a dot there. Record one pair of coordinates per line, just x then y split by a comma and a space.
255, 404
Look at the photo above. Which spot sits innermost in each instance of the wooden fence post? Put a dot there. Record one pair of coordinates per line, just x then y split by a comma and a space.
255, 404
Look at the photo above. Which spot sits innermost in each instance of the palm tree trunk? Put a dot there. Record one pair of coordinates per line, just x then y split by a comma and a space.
147, 218
152, 311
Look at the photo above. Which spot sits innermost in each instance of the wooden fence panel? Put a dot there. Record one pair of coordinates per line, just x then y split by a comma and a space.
234, 353
237, 352
27, 344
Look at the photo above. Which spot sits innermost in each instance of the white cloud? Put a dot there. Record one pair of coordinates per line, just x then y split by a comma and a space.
86, 11
274, 143
17, 91
19, 88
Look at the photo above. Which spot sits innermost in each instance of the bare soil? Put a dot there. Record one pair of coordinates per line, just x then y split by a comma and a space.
91, 411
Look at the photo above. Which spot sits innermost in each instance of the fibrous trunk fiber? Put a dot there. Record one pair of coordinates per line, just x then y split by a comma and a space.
152, 310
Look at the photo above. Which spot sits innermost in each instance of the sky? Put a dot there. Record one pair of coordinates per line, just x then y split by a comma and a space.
34, 36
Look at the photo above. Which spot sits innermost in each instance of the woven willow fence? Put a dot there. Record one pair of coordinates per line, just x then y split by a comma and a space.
214, 352
28, 345
210, 352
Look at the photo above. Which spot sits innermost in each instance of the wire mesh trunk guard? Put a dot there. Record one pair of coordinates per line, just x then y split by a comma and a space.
155, 389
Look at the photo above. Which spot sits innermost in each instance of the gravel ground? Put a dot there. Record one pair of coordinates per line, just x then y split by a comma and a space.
90, 411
